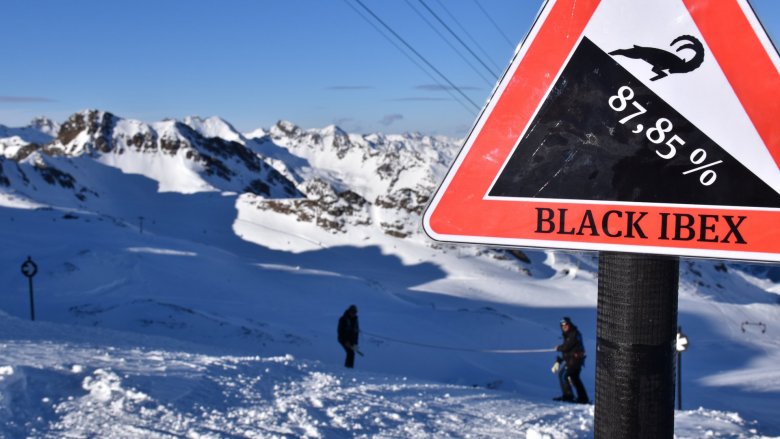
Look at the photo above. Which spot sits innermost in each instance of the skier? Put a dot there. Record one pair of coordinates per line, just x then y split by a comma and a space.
573, 352
348, 334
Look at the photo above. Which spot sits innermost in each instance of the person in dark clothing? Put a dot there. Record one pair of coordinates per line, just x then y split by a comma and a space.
573, 352
348, 334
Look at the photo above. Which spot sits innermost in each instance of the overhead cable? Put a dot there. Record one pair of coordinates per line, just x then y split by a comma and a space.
415, 62
413, 50
468, 34
489, 82
436, 16
506, 38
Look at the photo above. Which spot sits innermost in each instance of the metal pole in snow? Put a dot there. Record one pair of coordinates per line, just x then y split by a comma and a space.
680, 346
29, 269
636, 329
679, 380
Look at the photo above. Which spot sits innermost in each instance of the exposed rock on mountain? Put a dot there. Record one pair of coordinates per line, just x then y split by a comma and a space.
174, 154
376, 179
326, 177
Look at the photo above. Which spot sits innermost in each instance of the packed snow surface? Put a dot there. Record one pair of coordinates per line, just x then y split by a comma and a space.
71, 381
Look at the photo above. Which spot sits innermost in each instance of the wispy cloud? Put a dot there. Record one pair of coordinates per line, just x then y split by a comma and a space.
349, 87
437, 87
390, 118
23, 99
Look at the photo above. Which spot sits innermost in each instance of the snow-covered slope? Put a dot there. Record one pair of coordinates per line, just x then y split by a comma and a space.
157, 230
75, 381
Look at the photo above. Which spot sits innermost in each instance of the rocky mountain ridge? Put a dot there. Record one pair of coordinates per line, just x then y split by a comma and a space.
328, 177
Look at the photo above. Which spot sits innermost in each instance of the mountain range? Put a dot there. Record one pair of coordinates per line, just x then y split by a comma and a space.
308, 174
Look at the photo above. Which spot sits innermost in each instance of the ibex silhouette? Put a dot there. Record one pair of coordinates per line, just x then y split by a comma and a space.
665, 63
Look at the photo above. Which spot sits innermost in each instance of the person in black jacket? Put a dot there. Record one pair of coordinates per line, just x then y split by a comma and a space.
348, 334
573, 352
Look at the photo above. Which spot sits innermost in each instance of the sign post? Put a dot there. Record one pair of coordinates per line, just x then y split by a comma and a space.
640, 130
29, 268
635, 351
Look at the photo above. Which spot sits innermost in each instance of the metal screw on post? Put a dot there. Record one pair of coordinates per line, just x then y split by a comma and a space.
29, 269
681, 345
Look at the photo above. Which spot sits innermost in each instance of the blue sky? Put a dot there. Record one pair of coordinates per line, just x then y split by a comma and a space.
253, 62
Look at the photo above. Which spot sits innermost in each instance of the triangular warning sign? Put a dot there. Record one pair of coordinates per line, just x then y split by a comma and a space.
636, 126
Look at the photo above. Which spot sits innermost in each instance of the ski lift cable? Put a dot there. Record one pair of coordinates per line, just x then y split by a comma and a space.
415, 62
501, 31
452, 46
413, 50
452, 348
436, 16
390, 40
468, 35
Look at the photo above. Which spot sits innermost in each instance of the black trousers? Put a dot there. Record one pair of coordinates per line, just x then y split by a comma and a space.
350, 361
570, 376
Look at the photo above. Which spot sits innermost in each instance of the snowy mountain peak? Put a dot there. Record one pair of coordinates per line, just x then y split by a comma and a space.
334, 130
326, 176
18, 143
285, 128
255, 134
173, 153
45, 125
86, 130
214, 127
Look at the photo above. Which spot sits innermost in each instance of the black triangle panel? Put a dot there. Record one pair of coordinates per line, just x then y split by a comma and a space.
575, 148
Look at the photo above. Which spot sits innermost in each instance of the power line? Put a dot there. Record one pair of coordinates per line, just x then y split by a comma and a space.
460, 54
506, 38
465, 31
415, 62
455, 87
459, 40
